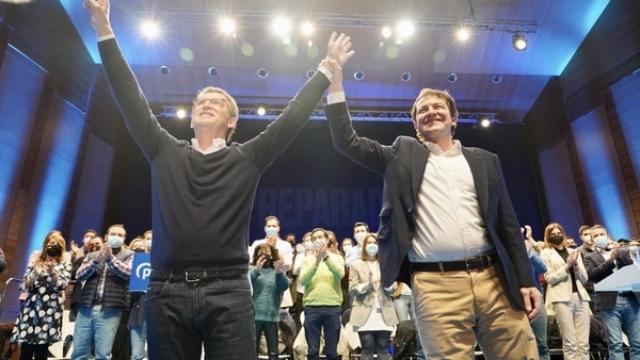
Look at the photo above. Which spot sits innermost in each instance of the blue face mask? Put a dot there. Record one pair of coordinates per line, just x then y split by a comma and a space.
602, 242
115, 241
271, 231
372, 249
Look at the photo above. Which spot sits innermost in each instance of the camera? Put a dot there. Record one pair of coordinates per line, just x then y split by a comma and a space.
268, 262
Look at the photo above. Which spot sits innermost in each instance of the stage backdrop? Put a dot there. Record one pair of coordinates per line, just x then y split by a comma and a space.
311, 185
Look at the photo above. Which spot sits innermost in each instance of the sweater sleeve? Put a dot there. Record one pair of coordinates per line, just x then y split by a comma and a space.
267, 145
308, 270
139, 118
282, 281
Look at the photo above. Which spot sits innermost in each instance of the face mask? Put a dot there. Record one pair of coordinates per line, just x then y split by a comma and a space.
299, 248
54, 250
115, 241
309, 245
147, 243
556, 239
372, 249
359, 237
346, 248
602, 242
271, 231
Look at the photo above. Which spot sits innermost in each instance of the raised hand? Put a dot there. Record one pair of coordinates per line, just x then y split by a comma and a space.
339, 48
99, 10
260, 262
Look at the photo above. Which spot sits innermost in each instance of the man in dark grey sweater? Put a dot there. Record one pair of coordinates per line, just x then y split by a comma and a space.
202, 194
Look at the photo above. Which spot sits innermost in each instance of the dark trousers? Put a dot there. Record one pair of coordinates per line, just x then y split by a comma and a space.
183, 316
317, 318
270, 329
33, 351
374, 342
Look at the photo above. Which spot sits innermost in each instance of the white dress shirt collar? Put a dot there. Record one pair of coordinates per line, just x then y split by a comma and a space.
216, 144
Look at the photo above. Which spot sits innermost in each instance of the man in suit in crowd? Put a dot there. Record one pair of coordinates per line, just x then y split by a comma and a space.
619, 310
448, 227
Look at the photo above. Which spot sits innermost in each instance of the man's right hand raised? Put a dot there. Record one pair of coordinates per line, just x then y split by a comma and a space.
99, 10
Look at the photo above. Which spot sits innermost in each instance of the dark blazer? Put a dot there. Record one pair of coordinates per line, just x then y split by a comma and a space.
598, 268
402, 165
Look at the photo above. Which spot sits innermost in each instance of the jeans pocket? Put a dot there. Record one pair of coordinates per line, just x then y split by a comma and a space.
157, 289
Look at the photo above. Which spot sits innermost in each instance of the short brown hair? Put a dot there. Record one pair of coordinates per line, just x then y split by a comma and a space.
583, 228
271, 217
442, 94
233, 106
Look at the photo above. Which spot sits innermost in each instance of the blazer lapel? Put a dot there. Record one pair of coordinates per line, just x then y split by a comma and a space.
419, 157
479, 172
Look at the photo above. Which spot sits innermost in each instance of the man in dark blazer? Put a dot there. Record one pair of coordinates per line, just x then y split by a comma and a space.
620, 311
448, 227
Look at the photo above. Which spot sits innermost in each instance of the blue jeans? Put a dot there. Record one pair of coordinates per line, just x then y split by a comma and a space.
270, 329
215, 313
315, 319
624, 316
539, 327
138, 340
374, 342
95, 326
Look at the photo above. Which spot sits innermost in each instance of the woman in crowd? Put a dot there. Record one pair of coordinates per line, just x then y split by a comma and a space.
373, 314
137, 325
39, 323
565, 292
321, 274
269, 282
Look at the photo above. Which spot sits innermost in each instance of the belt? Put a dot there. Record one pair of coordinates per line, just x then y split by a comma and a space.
196, 275
474, 263
627, 294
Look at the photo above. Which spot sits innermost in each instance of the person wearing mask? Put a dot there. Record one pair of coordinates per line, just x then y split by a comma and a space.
360, 230
373, 315
619, 310
321, 274
565, 291
136, 323
269, 282
39, 323
308, 248
104, 296
147, 237
587, 246
272, 237
538, 268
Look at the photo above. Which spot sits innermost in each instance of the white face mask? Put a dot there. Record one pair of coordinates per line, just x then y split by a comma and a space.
346, 248
359, 237
309, 245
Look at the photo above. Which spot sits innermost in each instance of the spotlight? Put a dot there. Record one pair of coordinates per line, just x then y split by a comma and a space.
496, 79
406, 76
263, 73
358, 75
261, 110
452, 77
519, 42
213, 71
463, 34
310, 73
149, 29
485, 122
281, 26
386, 32
164, 70
181, 113
307, 29
227, 26
405, 29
